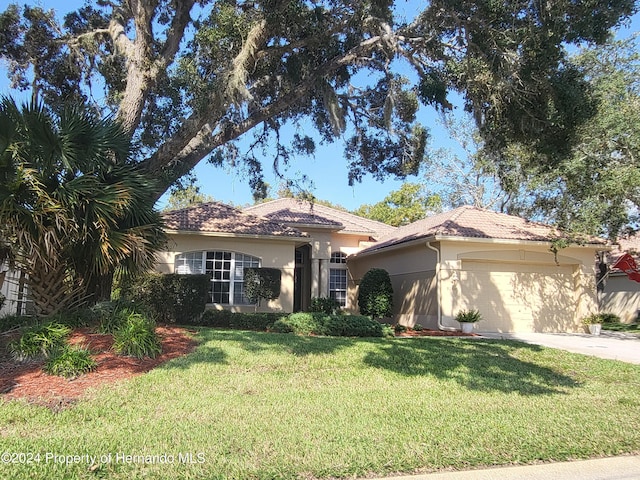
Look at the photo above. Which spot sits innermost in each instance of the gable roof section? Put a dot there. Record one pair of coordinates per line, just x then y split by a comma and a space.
302, 213
474, 222
215, 217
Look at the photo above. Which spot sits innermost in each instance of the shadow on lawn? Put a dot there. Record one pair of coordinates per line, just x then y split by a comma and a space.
483, 365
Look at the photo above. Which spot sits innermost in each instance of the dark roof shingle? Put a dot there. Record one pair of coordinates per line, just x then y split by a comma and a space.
215, 217
474, 222
298, 212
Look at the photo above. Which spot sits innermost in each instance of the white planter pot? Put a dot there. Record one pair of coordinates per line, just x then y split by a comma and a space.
594, 328
467, 327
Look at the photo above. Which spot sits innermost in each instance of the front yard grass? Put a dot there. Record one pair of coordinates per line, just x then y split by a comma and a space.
630, 328
249, 405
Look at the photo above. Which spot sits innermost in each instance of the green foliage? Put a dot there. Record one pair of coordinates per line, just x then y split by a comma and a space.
70, 362
375, 295
468, 316
593, 188
262, 283
253, 321
39, 341
601, 318
301, 323
403, 206
73, 205
3, 299
185, 197
137, 337
507, 60
114, 315
329, 325
324, 305
215, 318
9, 322
169, 297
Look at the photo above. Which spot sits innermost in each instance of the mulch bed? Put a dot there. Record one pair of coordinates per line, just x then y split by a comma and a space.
27, 380
433, 333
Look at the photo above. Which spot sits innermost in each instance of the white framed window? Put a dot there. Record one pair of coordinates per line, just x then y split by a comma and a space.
338, 285
338, 278
226, 270
338, 257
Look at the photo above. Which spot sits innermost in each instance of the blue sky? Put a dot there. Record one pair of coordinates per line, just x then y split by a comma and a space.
327, 168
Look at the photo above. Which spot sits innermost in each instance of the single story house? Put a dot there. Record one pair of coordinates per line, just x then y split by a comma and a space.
502, 265
308, 243
468, 258
617, 293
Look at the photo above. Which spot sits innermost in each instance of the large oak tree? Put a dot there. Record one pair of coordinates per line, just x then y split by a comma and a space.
189, 79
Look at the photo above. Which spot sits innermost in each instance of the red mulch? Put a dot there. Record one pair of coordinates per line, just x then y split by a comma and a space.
433, 333
27, 380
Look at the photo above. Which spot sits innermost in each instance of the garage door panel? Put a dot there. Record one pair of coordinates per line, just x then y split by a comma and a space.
522, 298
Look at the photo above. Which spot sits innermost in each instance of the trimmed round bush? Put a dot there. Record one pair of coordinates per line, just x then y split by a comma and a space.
70, 362
375, 295
137, 337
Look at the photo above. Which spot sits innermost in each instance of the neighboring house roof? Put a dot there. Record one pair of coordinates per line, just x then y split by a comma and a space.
303, 213
474, 222
215, 217
624, 244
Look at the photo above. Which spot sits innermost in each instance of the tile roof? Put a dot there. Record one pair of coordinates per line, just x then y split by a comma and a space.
474, 222
215, 217
624, 244
298, 212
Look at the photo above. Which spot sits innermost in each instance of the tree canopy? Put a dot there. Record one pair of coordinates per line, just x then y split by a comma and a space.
403, 206
189, 79
596, 188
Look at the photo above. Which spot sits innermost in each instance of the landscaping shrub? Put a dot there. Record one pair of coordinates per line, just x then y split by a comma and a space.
39, 341
253, 321
2, 300
324, 305
609, 318
9, 322
303, 323
137, 337
70, 362
331, 325
352, 326
262, 284
468, 316
170, 297
215, 318
375, 295
236, 320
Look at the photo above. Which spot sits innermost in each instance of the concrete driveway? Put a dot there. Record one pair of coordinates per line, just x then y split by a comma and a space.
611, 345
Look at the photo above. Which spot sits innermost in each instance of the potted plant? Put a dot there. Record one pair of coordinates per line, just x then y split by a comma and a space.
593, 323
467, 318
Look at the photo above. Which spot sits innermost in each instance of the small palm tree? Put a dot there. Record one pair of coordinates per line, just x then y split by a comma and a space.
73, 206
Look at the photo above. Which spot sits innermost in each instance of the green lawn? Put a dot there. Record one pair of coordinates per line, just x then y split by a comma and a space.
264, 406
630, 328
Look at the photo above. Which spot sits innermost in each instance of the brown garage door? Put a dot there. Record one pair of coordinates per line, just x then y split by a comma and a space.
519, 297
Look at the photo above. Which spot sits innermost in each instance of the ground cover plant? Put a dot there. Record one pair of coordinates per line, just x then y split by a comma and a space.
259, 405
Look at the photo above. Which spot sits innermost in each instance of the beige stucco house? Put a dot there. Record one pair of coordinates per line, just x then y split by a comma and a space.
470, 258
465, 258
308, 243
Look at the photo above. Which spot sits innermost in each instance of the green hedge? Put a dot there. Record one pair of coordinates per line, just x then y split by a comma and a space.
307, 323
170, 297
330, 325
239, 321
